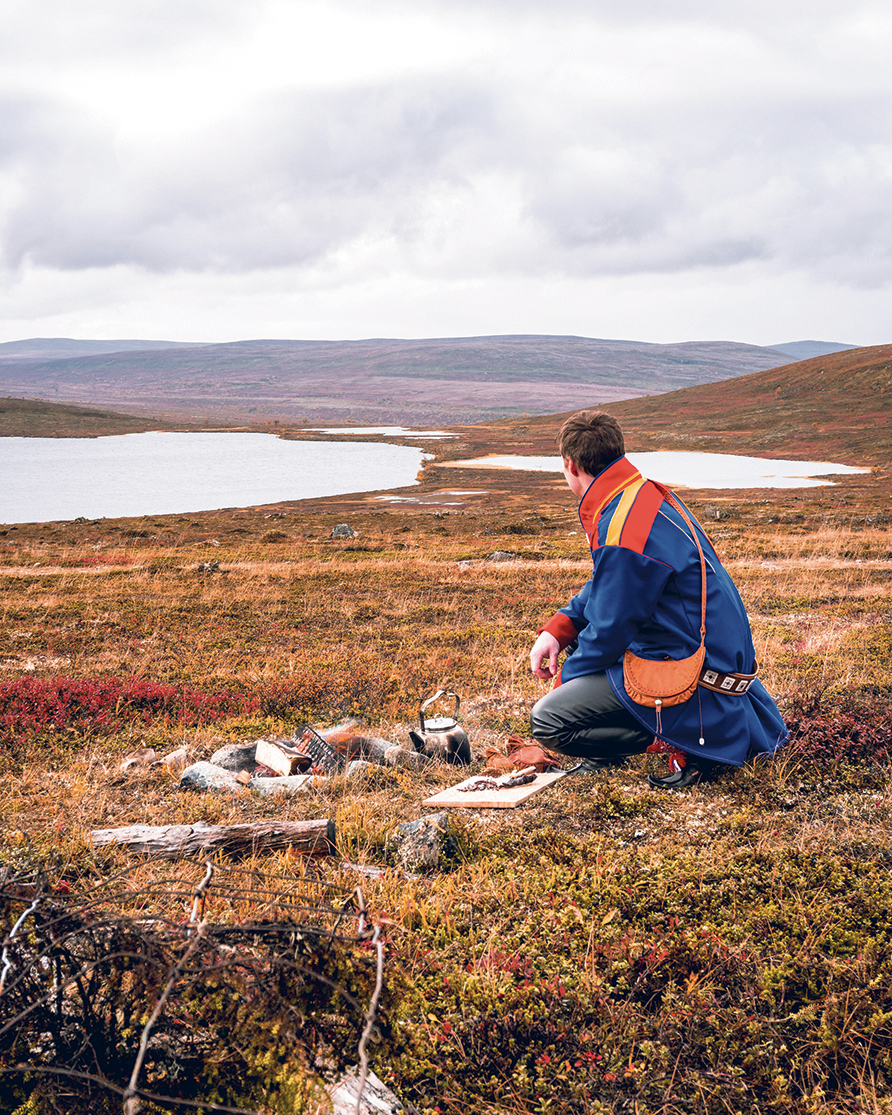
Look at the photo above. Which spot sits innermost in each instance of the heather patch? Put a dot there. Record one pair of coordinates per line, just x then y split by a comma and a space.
604, 948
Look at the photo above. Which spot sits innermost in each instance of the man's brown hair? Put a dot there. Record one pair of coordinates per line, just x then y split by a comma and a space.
591, 439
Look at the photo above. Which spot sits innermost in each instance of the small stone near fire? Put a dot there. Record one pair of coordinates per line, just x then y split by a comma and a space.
359, 768
236, 757
208, 776
140, 758
284, 784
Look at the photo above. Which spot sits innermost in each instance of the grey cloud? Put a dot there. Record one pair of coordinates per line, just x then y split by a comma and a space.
801, 181
795, 175
285, 183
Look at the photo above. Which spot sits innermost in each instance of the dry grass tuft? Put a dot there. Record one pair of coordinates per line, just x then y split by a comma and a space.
605, 948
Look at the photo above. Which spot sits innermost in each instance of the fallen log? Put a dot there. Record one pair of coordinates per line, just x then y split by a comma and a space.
312, 838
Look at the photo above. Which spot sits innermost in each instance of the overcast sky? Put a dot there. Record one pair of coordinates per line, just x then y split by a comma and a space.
660, 170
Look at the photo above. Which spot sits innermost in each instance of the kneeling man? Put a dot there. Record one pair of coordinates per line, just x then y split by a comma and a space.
646, 596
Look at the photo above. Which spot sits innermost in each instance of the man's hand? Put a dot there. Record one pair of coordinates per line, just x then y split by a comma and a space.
546, 647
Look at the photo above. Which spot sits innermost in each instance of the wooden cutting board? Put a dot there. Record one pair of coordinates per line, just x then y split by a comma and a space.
493, 799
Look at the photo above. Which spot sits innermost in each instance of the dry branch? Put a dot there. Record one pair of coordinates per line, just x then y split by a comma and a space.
309, 837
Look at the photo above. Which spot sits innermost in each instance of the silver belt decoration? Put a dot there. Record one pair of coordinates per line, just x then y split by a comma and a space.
733, 684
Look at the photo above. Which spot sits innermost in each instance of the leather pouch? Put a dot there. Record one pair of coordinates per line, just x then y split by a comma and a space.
665, 682
669, 681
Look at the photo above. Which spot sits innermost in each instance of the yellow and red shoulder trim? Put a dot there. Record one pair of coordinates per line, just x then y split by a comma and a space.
632, 521
633, 517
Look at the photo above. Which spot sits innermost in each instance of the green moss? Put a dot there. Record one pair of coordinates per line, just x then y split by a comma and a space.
604, 972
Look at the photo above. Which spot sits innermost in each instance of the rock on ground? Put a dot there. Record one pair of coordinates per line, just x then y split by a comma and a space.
422, 845
209, 776
285, 784
377, 1098
359, 768
236, 757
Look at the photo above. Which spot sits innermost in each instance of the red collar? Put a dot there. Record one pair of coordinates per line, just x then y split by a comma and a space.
614, 479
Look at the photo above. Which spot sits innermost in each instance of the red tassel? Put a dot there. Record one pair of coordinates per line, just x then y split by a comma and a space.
677, 760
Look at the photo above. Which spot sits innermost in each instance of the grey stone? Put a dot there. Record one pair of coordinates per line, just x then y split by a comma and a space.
422, 845
343, 530
376, 1099
143, 757
396, 756
236, 757
502, 555
358, 768
387, 754
208, 776
278, 787
176, 760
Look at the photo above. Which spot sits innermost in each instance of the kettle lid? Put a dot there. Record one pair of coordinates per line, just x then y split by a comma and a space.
439, 723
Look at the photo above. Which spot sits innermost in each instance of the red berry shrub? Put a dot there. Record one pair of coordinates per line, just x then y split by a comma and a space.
33, 706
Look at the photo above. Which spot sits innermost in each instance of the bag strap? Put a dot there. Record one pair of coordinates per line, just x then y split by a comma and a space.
670, 499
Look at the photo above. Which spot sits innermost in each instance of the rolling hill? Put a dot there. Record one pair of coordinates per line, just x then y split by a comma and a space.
832, 408
61, 348
835, 407
36, 418
461, 379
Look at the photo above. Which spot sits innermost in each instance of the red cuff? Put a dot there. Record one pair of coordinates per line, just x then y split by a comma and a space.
562, 627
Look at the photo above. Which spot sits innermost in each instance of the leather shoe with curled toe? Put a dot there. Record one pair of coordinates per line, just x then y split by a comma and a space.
694, 771
689, 775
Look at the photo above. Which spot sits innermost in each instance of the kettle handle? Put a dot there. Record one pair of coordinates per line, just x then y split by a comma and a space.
440, 693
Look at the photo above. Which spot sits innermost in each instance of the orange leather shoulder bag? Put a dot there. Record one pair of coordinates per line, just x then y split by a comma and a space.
669, 681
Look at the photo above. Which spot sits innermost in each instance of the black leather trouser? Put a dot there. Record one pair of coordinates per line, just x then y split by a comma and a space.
584, 717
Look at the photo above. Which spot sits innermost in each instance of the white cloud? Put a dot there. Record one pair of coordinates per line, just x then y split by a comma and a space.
335, 148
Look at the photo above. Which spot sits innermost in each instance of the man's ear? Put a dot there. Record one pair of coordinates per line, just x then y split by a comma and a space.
571, 466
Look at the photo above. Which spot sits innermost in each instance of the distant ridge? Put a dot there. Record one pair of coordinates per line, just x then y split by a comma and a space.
805, 350
61, 348
834, 408
458, 379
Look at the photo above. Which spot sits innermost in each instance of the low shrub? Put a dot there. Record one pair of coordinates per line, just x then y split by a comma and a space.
33, 706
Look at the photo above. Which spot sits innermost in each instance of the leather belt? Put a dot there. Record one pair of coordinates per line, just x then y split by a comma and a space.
732, 684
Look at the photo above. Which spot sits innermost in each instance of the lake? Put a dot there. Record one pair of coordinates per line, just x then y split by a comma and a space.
696, 470
385, 431
46, 479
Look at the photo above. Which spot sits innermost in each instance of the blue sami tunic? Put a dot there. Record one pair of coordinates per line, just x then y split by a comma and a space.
645, 595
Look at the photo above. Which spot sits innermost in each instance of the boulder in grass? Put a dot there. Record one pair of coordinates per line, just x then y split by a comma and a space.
175, 761
422, 845
359, 768
376, 1099
236, 757
343, 530
206, 777
143, 757
283, 785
